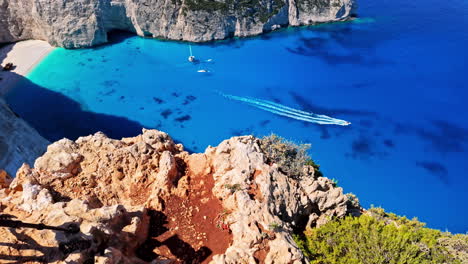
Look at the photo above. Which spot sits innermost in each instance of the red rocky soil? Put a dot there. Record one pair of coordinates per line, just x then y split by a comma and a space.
189, 229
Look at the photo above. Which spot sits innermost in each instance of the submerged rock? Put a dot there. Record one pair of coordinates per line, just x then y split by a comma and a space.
144, 199
75, 24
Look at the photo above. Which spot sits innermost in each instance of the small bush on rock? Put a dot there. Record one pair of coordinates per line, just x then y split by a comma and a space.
290, 157
274, 226
370, 239
353, 201
233, 187
316, 167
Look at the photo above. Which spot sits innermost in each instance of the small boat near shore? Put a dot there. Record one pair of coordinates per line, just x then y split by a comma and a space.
191, 58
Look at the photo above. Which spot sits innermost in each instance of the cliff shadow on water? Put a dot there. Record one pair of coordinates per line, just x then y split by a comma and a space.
6, 77
56, 116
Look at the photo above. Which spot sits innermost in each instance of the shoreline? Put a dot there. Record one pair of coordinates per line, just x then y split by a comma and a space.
24, 55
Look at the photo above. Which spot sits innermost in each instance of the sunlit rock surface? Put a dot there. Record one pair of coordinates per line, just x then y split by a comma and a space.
85, 23
144, 199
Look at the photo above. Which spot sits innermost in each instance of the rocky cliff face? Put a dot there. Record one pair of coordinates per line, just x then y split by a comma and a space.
145, 199
18, 141
83, 23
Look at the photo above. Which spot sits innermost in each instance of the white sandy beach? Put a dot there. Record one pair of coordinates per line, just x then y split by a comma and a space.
24, 55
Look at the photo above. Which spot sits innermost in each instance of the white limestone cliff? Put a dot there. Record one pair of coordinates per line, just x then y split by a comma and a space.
84, 23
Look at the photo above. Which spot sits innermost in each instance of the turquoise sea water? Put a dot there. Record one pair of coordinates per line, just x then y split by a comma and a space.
398, 74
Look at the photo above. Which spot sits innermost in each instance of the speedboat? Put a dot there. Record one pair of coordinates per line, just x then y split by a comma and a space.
202, 70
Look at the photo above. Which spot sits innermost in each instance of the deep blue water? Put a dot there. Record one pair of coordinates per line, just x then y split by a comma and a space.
398, 74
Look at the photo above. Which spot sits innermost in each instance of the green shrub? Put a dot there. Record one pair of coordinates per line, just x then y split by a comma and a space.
206, 5
316, 167
290, 157
380, 214
334, 182
367, 239
233, 187
457, 245
274, 227
353, 201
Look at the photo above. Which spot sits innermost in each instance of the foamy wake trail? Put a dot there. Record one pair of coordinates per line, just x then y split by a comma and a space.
286, 111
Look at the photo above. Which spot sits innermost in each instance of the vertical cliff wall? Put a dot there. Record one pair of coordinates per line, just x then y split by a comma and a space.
83, 23
19, 142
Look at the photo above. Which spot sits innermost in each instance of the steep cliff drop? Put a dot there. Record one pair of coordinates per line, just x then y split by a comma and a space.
19, 142
75, 24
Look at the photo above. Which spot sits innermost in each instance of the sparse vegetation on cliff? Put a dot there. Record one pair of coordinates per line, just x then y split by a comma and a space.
233, 187
380, 237
290, 157
264, 10
206, 5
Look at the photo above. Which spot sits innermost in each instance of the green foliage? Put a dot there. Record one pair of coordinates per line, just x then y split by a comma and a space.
380, 214
353, 201
263, 10
334, 182
316, 167
206, 5
274, 226
290, 157
265, 14
368, 239
233, 187
457, 245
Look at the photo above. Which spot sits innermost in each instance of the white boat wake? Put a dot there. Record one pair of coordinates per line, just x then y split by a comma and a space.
286, 111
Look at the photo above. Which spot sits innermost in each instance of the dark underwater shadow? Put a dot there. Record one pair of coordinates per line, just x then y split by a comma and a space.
441, 135
311, 107
341, 44
56, 116
435, 168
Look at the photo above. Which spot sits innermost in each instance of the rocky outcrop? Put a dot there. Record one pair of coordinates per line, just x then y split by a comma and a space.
144, 199
19, 142
84, 23
265, 204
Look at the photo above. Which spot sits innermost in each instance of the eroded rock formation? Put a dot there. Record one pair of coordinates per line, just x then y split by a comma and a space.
84, 23
144, 199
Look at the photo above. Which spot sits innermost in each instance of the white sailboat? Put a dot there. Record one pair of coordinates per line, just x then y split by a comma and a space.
191, 58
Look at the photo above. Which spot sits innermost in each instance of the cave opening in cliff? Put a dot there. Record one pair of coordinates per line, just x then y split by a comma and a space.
118, 36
